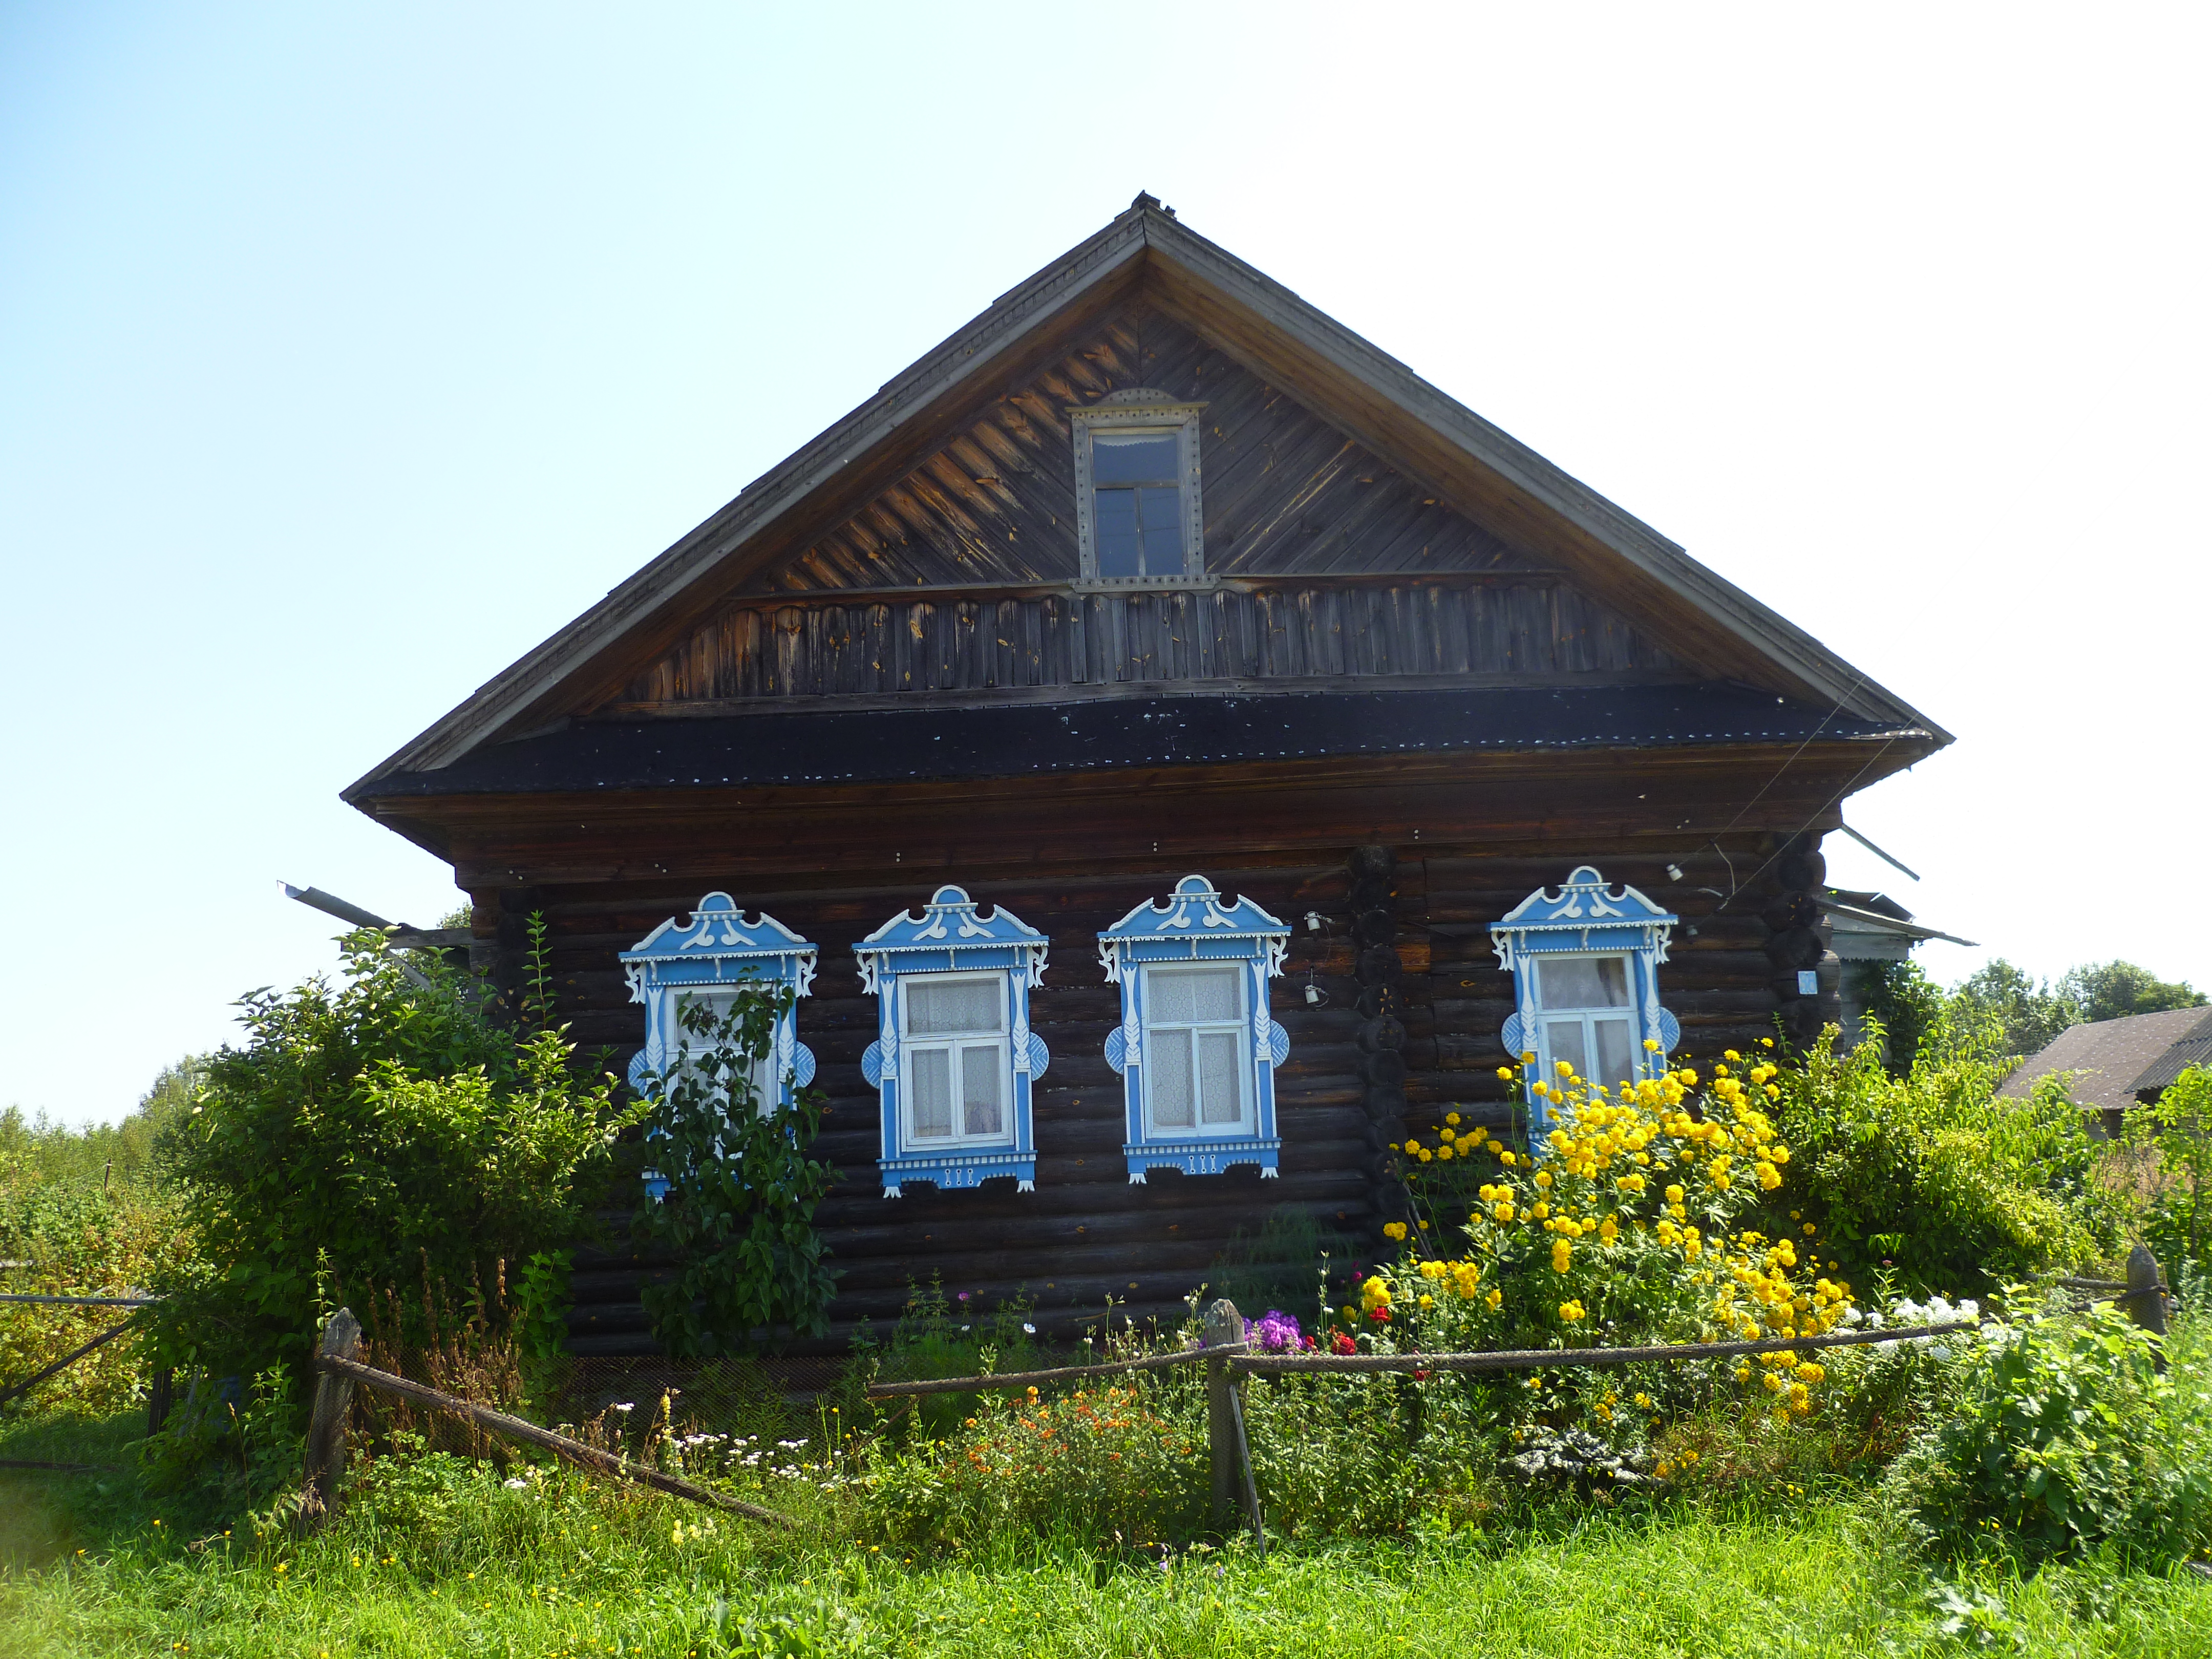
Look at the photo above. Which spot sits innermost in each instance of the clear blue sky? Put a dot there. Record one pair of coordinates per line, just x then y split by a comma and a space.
345, 354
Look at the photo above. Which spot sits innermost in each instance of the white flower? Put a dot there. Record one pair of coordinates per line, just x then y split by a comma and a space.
1970, 1308
1941, 1349
1030, 1329
1874, 1319
627, 1405
516, 1484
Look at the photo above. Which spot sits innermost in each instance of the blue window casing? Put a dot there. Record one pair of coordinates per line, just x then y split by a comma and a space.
1585, 965
904, 963
715, 954
1146, 953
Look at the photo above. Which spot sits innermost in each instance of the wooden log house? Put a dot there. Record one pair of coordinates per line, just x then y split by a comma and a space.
1153, 571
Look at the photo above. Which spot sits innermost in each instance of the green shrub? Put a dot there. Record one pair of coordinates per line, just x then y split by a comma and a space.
1934, 1173
83, 1208
739, 1214
1124, 1462
2063, 1436
375, 1131
2177, 1223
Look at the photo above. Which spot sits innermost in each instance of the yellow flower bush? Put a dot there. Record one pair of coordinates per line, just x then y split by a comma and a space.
1628, 1226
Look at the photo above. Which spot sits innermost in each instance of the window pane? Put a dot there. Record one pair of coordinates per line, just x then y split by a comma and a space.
929, 1076
979, 1090
1180, 995
1159, 514
1565, 1038
1217, 1069
1132, 458
1168, 1058
1582, 981
1613, 1064
964, 1007
1114, 533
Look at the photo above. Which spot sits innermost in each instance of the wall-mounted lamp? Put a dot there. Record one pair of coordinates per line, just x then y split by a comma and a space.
1313, 922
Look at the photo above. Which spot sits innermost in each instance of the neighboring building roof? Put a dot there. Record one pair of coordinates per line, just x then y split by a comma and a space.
2107, 1056
1713, 627
2193, 1048
1881, 916
978, 740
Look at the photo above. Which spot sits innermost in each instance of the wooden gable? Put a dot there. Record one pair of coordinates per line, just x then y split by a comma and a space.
959, 577
1361, 527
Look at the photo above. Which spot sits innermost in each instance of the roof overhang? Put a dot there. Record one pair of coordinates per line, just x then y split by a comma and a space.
1478, 469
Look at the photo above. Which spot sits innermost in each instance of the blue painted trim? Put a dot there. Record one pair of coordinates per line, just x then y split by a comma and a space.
950, 935
1192, 924
1584, 917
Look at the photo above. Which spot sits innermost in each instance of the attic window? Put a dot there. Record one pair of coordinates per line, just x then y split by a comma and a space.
1138, 517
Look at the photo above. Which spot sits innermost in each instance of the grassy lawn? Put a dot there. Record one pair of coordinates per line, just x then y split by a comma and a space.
455, 1563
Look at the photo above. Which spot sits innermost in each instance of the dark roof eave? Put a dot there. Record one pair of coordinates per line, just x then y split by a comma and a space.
1041, 739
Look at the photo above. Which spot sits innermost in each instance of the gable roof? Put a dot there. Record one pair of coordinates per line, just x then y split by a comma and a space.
2107, 1056
2193, 1048
1711, 625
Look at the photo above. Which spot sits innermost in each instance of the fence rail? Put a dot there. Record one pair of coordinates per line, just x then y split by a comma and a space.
86, 1301
341, 1371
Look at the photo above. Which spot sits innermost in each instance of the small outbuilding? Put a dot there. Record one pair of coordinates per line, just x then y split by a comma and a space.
1175, 752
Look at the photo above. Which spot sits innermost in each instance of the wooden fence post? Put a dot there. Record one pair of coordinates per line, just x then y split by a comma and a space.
161, 1399
2146, 1300
326, 1429
1223, 1325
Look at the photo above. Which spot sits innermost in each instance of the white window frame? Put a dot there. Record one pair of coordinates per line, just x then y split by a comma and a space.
1585, 918
1236, 1028
768, 1086
1001, 1044
1141, 410
1626, 1013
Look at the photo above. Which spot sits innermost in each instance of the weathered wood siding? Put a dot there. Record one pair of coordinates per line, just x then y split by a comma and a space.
1284, 491
1530, 627
1086, 1233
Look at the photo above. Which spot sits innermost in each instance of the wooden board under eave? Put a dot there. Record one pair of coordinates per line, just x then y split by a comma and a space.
1517, 629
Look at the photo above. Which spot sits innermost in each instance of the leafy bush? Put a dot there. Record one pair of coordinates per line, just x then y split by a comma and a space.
2178, 1223
739, 1213
1934, 1173
83, 1208
1127, 1460
2065, 1435
1629, 1231
369, 1131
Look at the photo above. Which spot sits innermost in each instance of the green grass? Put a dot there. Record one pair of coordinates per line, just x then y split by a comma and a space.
446, 1560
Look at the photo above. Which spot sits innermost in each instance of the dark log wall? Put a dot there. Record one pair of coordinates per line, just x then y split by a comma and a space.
1529, 627
1408, 1031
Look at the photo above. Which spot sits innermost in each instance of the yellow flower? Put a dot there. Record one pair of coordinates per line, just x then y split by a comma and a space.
1493, 1146
1506, 1073
1494, 1298
1563, 1068
1393, 1230
1447, 1134
1451, 1117
1428, 1301
1504, 1210
1675, 1195
1505, 1157
1563, 1256
1443, 1152
1770, 1382
1528, 1056
1543, 1177
1428, 1157
1651, 1045
1570, 1310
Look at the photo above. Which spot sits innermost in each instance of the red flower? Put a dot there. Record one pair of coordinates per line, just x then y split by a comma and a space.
1309, 1341
1340, 1343
1380, 1315
1420, 1376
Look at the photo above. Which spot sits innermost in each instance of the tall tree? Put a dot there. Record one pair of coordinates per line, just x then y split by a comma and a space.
2113, 990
